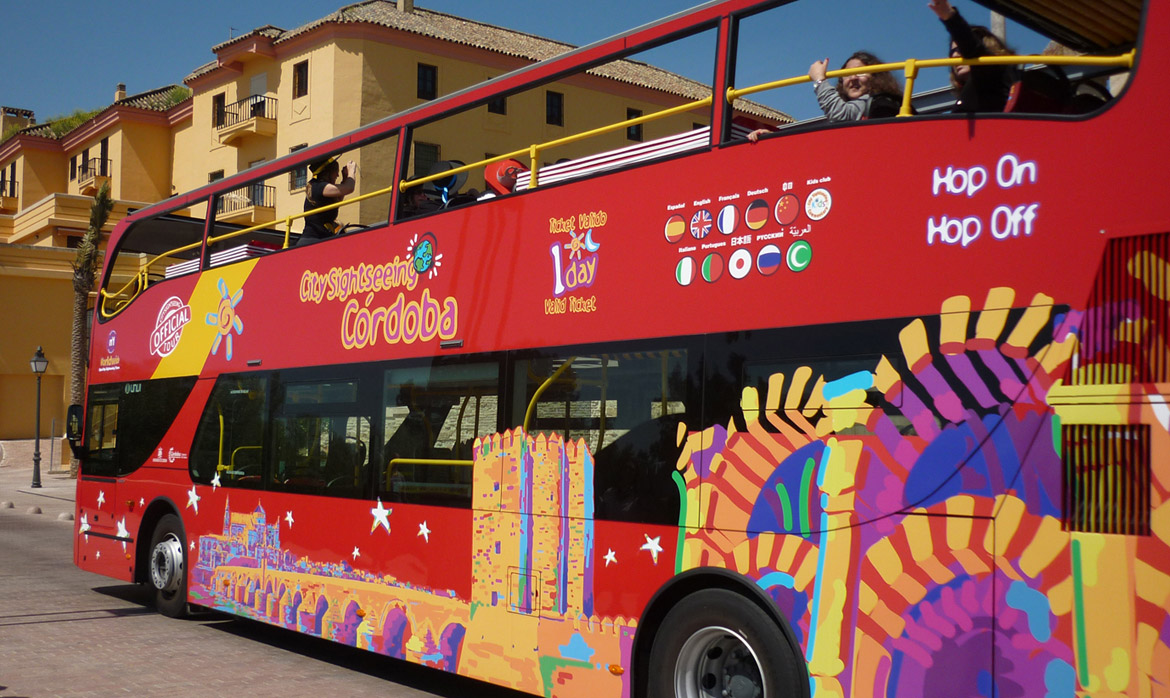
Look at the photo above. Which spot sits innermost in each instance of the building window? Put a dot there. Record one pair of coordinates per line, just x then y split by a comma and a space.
299, 177
633, 133
428, 81
554, 108
499, 105
425, 157
218, 109
213, 176
300, 79
73, 168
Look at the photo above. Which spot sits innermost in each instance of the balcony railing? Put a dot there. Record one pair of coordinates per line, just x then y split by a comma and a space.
253, 107
9, 188
93, 167
249, 197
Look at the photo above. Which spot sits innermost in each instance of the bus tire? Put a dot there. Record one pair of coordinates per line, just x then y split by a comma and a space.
168, 567
716, 642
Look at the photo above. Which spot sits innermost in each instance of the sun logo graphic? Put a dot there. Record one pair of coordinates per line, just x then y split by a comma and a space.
424, 256
226, 319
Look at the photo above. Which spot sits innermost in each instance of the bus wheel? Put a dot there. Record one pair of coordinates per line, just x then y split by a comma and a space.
168, 569
718, 643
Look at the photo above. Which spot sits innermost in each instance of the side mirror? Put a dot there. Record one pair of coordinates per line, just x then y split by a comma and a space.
73, 422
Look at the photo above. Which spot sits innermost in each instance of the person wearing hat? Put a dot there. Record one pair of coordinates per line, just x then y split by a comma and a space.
324, 189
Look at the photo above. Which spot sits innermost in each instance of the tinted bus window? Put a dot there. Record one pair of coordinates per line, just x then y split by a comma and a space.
432, 416
230, 439
321, 436
627, 407
128, 420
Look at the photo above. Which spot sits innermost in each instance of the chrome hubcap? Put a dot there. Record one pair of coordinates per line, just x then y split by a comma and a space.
718, 662
166, 564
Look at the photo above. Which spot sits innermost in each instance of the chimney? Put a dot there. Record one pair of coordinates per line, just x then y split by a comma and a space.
405, 6
120, 92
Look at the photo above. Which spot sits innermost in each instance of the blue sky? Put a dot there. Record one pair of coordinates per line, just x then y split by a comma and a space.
63, 55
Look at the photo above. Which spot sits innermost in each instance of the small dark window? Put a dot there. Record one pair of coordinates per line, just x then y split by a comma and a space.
213, 176
230, 438
554, 108
433, 414
218, 110
499, 105
634, 133
300, 79
428, 81
73, 168
299, 177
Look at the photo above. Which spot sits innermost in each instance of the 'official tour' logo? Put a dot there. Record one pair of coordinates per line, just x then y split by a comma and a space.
168, 329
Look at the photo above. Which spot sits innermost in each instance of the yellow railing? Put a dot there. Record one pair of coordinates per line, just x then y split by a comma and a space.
533, 151
912, 66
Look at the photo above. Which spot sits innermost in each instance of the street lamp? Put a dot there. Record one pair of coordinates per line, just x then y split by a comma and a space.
39, 365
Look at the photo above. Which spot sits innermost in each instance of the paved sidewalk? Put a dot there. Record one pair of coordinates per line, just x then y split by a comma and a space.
53, 499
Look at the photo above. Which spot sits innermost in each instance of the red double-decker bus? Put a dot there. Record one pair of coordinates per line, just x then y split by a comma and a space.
860, 408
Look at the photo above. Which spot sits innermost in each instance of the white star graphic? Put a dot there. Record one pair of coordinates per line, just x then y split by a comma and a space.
381, 517
83, 529
192, 545
288, 517
101, 498
123, 533
193, 499
215, 481
141, 501
653, 546
424, 531
98, 555
610, 558
356, 553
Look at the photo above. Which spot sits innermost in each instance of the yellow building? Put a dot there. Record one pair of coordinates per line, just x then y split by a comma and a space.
270, 92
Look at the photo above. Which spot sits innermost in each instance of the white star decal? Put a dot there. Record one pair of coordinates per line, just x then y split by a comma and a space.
356, 553
193, 499
83, 529
381, 517
215, 481
288, 517
192, 545
142, 501
653, 546
98, 555
610, 558
424, 531
123, 533
101, 498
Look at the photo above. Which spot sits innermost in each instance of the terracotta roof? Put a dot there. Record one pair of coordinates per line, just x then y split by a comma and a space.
487, 37
152, 100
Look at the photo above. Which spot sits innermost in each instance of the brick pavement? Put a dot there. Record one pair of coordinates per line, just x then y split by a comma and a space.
57, 493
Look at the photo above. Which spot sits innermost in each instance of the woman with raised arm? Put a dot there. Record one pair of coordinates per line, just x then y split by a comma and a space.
983, 88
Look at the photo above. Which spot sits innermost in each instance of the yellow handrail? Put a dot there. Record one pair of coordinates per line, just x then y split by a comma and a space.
911, 67
533, 151
543, 387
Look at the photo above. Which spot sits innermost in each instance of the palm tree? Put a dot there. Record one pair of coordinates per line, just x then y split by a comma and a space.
84, 271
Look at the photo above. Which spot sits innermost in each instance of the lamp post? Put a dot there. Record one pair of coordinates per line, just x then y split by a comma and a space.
39, 365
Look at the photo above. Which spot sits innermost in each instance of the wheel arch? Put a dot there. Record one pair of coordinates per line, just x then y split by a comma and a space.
155, 511
689, 582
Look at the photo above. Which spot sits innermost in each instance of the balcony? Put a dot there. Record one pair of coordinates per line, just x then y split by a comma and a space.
255, 203
9, 191
91, 174
251, 116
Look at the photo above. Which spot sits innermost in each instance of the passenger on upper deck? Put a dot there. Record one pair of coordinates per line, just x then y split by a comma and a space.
322, 190
977, 88
854, 97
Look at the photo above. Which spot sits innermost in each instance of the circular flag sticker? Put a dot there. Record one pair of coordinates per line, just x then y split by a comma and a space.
676, 227
712, 267
728, 219
786, 209
799, 255
684, 273
701, 224
769, 259
818, 203
757, 214
740, 264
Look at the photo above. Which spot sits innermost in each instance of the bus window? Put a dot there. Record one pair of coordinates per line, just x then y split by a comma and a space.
127, 422
321, 439
102, 436
230, 440
150, 251
432, 416
628, 408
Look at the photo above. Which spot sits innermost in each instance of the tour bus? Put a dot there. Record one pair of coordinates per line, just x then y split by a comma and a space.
875, 407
